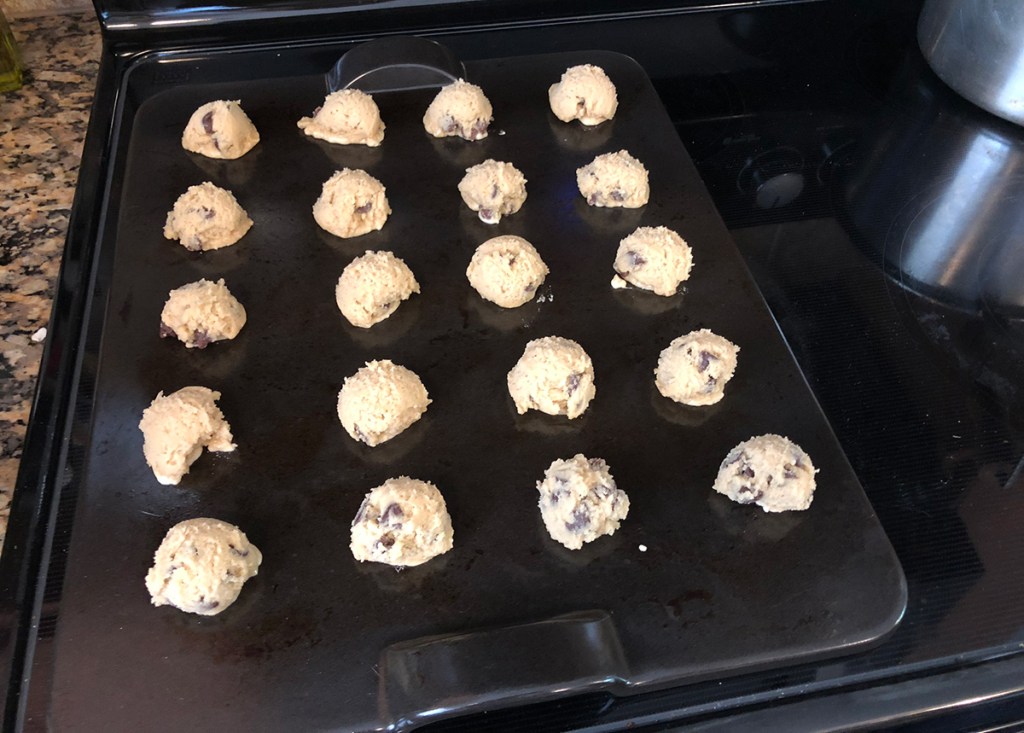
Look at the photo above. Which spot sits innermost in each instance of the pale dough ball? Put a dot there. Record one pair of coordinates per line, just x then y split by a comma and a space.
579, 501
201, 566
176, 427
352, 203
770, 471
493, 190
695, 367
614, 179
380, 401
506, 270
206, 217
554, 375
584, 93
200, 313
347, 117
220, 129
460, 108
403, 522
372, 286
653, 258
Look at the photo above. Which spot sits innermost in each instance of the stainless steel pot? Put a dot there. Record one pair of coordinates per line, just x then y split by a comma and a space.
939, 193
977, 48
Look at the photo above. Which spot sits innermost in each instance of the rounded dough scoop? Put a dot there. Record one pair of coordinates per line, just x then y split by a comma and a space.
507, 271
347, 117
372, 286
352, 203
694, 368
584, 93
380, 401
554, 375
770, 471
493, 189
580, 502
206, 217
201, 566
403, 522
460, 109
653, 258
220, 129
201, 313
614, 180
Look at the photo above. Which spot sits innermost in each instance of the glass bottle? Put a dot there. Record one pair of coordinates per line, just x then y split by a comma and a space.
10, 61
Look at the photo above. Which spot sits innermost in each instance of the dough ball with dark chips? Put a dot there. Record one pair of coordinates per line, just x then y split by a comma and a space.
220, 129
770, 471
403, 522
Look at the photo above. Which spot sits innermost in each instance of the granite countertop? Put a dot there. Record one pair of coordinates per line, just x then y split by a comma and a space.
42, 127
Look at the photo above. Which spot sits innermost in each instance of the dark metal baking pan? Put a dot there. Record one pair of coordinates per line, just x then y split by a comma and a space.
318, 641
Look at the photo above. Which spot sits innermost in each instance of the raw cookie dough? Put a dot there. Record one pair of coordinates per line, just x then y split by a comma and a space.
653, 258
200, 313
201, 566
352, 203
770, 471
206, 217
506, 270
614, 179
554, 375
176, 427
694, 368
579, 501
493, 190
380, 401
220, 129
371, 288
403, 522
585, 93
460, 108
347, 117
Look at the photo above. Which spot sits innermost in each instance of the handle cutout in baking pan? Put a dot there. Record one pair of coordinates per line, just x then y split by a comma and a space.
426, 678
395, 64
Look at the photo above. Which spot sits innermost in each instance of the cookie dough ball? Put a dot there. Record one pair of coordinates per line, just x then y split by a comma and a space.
176, 427
585, 93
493, 190
201, 566
614, 179
352, 203
506, 270
579, 501
554, 375
200, 313
770, 471
220, 129
372, 286
402, 522
459, 109
206, 217
380, 401
347, 117
653, 258
695, 368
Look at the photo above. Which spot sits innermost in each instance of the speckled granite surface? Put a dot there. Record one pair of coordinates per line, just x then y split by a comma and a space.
42, 127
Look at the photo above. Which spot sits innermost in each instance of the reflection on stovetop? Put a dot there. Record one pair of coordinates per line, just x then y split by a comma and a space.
921, 379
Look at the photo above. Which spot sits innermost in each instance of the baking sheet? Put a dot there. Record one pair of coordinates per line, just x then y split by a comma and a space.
317, 640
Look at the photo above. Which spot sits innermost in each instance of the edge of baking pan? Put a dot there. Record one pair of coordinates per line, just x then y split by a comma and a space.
37, 496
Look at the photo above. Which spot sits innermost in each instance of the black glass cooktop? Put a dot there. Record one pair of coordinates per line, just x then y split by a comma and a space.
877, 212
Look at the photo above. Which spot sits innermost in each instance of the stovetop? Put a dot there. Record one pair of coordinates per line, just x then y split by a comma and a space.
849, 176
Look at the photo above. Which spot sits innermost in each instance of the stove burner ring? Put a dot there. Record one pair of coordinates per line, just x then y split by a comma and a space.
774, 177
